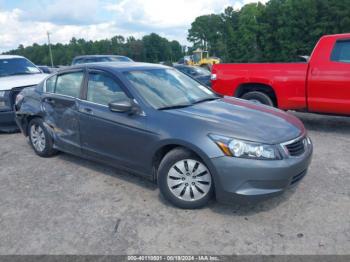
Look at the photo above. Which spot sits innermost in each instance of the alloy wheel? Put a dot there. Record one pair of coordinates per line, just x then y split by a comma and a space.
189, 180
37, 137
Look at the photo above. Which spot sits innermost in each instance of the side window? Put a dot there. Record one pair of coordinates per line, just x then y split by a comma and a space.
69, 84
341, 51
78, 61
102, 89
50, 84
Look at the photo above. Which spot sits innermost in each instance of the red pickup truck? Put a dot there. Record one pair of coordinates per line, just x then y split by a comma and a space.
321, 85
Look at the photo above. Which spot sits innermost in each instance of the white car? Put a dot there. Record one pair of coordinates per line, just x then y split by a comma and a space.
16, 73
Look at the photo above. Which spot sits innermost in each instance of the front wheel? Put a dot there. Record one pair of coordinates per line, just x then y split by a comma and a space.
258, 97
184, 180
40, 139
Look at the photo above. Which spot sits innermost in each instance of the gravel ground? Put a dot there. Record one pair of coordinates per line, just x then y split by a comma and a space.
68, 205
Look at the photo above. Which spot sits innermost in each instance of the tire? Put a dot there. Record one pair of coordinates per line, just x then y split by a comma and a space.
40, 139
258, 97
185, 189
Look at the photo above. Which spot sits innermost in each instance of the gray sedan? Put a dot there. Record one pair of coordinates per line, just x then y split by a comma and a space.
155, 121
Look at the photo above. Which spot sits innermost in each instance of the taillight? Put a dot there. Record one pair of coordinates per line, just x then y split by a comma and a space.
213, 77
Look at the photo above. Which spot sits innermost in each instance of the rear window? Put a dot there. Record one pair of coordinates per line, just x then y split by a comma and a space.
341, 51
50, 84
69, 84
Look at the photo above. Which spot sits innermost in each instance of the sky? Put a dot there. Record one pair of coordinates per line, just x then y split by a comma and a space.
27, 21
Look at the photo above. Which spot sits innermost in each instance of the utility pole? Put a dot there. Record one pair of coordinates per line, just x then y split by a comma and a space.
50, 51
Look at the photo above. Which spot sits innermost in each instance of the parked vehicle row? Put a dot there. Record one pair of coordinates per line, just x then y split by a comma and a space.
159, 123
320, 85
200, 74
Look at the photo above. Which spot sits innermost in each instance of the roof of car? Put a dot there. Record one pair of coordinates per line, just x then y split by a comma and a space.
91, 56
182, 65
119, 66
10, 56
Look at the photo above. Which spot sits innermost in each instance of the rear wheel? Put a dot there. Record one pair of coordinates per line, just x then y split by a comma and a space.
184, 180
40, 139
258, 97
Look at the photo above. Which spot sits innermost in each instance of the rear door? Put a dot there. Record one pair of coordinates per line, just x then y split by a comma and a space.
329, 79
116, 138
61, 108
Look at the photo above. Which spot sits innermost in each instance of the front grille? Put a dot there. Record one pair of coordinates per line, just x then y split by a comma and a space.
14, 92
298, 177
296, 148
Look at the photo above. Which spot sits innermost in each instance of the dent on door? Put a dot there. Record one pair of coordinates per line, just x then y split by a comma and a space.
61, 117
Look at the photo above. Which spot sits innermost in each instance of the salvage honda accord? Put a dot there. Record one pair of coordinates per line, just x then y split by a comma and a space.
159, 123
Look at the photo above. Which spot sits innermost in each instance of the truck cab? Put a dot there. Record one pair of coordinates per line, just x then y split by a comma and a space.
328, 83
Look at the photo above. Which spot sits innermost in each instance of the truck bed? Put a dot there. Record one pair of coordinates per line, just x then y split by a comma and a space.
288, 80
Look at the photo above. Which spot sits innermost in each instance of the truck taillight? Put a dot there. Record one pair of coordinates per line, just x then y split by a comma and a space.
213, 77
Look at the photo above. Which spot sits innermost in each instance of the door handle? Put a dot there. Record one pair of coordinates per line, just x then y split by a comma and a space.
49, 100
87, 110
314, 71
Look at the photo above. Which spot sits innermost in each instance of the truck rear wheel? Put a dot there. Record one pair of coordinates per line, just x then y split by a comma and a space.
258, 97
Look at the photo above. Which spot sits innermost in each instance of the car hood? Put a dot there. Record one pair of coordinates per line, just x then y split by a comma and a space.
204, 79
246, 120
9, 82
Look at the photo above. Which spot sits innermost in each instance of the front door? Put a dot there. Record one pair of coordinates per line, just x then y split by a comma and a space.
116, 138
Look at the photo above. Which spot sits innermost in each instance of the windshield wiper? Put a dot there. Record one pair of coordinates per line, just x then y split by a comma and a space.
174, 106
186, 105
205, 100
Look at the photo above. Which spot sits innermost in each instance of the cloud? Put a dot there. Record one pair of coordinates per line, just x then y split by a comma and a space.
29, 21
15, 31
64, 12
165, 14
167, 17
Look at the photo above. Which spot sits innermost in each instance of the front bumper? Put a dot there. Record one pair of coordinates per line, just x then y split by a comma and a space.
245, 180
7, 121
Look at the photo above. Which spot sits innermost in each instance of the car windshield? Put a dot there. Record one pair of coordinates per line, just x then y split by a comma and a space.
120, 59
88, 60
198, 71
17, 66
168, 88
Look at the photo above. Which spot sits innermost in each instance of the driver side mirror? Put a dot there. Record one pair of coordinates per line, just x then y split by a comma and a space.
122, 106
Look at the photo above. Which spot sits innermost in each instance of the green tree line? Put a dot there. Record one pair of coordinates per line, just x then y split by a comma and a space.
281, 30
151, 48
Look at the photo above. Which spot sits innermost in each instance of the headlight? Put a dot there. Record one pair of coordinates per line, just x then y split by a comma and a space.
245, 149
